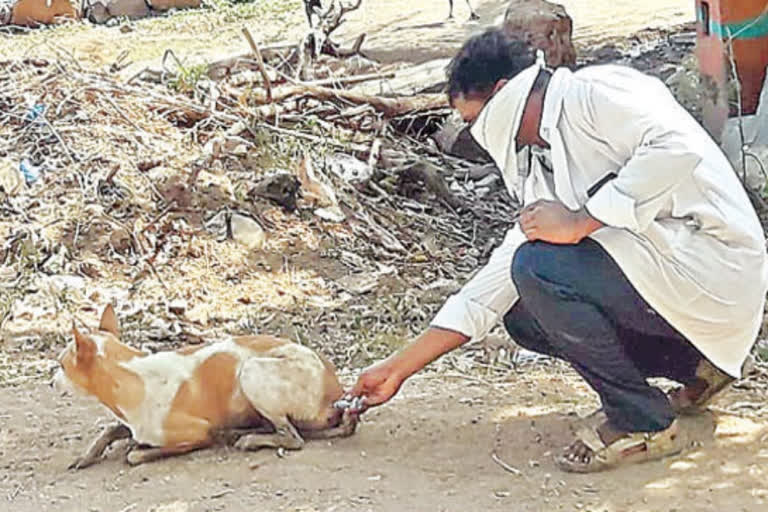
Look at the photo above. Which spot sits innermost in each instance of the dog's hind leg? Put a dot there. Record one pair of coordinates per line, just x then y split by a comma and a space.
278, 388
109, 435
285, 436
141, 455
345, 429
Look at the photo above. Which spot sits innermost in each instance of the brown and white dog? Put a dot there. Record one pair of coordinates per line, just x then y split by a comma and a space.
258, 390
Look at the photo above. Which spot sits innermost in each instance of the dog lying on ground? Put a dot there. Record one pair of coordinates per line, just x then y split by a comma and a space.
251, 391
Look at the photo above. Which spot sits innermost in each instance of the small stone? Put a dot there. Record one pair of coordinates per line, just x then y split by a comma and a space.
178, 306
247, 231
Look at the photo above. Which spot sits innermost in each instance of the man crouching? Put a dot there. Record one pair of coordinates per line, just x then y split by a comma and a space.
637, 253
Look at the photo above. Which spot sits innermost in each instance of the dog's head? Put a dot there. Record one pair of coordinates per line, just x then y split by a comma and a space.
87, 355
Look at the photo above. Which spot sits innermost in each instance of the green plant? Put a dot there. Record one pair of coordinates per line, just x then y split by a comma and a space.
187, 77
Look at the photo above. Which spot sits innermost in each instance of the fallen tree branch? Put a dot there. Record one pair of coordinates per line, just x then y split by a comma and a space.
390, 107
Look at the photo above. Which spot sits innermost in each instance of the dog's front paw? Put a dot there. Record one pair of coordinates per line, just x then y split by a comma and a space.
80, 463
134, 457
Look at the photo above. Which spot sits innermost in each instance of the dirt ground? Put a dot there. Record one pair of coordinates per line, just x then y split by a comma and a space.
430, 449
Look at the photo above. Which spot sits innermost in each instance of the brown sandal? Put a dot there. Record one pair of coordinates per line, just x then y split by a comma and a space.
629, 449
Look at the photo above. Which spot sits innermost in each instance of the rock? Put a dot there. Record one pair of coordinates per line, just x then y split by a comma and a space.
454, 139
121, 242
229, 144
178, 306
280, 187
101, 11
359, 284
176, 506
755, 143
247, 231
165, 5
43, 12
349, 168
11, 179
546, 26
331, 213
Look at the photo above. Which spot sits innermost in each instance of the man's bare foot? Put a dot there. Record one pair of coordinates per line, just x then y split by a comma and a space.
578, 451
694, 397
604, 447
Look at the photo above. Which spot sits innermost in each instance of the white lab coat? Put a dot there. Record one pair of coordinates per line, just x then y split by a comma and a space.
678, 222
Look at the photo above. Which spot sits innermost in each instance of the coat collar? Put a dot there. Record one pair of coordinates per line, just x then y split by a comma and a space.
549, 131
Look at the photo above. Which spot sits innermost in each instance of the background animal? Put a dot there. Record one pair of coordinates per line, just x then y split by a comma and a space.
311, 5
251, 391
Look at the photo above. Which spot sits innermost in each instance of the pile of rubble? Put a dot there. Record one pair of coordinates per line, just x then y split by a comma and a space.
297, 189
262, 193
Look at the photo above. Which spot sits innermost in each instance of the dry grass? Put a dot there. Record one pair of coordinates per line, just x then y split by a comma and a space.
194, 34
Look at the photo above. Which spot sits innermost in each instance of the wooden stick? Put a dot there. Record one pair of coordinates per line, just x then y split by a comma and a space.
351, 80
504, 465
259, 62
390, 107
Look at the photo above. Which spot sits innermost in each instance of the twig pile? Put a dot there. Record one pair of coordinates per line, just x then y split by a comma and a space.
134, 179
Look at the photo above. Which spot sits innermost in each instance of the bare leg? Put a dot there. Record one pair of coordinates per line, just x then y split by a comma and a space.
285, 436
109, 435
141, 455
345, 429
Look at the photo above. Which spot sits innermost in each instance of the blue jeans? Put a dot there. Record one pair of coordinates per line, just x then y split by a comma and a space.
576, 304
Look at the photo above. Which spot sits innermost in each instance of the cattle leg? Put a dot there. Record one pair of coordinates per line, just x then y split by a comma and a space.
472, 14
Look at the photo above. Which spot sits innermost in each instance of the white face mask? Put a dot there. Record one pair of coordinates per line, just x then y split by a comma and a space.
497, 125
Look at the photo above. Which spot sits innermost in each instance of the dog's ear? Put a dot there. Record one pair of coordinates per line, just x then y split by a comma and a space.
109, 321
85, 348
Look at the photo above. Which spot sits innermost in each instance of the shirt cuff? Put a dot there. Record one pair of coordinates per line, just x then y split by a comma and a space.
466, 317
613, 208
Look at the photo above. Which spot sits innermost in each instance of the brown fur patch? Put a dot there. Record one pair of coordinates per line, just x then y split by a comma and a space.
116, 351
209, 400
108, 321
116, 387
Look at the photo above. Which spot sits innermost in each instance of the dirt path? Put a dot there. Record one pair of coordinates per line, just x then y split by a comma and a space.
429, 450
419, 31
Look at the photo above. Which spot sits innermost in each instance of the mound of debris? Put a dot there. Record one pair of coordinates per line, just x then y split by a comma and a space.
233, 198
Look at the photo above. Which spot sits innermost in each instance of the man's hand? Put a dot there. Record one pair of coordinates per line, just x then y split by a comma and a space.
378, 383
551, 221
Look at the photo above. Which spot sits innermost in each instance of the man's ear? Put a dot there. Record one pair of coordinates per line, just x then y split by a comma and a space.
109, 321
499, 85
85, 348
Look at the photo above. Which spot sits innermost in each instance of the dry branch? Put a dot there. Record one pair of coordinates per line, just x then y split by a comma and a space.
259, 62
390, 107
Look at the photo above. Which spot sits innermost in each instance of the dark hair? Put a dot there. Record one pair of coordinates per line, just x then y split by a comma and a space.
484, 60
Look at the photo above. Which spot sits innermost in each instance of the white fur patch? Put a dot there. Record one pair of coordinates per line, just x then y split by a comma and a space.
163, 374
100, 341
